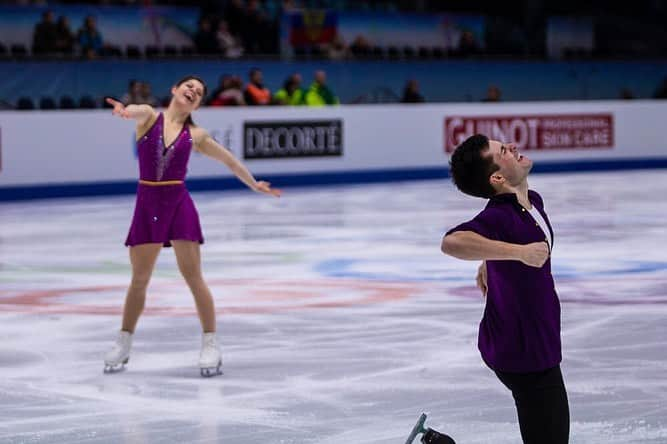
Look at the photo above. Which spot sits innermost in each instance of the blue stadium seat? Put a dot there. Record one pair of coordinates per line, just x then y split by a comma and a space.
393, 53
439, 53
47, 103
152, 52
18, 50
132, 52
424, 53
25, 104
87, 102
111, 51
409, 52
66, 102
170, 51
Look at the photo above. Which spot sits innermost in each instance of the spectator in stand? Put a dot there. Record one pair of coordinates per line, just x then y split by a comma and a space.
360, 46
64, 37
139, 93
147, 97
223, 84
205, 39
228, 44
256, 93
255, 24
291, 93
493, 94
411, 93
468, 45
229, 93
626, 94
44, 35
661, 92
133, 94
337, 49
235, 16
289, 6
90, 39
319, 94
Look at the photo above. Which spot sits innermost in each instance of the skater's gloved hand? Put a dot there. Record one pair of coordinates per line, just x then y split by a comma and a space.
481, 278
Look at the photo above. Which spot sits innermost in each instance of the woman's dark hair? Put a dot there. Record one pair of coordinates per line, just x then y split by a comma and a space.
189, 120
471, 168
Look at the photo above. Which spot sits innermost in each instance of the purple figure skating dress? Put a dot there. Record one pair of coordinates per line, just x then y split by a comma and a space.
164, 210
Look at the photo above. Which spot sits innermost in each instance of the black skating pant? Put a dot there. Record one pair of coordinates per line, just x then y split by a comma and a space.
433, 437
541, 404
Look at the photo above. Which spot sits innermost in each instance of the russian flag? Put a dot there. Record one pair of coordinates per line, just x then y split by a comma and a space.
312, 27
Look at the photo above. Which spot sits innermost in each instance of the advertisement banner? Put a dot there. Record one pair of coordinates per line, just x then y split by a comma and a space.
335, 141
276, 139
535, 132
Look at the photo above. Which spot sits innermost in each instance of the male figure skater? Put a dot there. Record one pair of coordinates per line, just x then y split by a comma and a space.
519, 335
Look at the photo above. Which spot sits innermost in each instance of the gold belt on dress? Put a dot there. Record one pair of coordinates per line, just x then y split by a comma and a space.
160, 183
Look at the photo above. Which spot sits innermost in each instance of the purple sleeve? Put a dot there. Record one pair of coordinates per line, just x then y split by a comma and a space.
485, 224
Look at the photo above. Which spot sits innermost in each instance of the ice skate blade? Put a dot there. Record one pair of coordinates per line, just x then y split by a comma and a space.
417, 429
207, 372
108, 368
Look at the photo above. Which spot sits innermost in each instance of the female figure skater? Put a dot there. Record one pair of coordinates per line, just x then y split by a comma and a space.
165, 215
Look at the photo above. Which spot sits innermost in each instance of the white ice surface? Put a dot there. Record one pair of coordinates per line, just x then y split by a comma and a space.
340, 319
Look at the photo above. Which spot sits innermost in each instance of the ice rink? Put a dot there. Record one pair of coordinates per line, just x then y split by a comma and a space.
339, 317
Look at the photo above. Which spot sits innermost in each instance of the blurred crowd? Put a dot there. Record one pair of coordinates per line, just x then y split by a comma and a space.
231, 91
235, 28
52, 36
250, 28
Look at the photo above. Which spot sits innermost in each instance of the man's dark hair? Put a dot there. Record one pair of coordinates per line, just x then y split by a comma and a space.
471, 169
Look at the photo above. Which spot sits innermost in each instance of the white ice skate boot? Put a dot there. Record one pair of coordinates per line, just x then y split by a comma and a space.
210, 358
117, 357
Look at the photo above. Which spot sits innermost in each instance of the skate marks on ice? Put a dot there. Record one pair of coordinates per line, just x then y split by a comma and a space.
340, 320
240, 296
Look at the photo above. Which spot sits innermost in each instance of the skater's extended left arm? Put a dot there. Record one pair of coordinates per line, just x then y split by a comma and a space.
205, 144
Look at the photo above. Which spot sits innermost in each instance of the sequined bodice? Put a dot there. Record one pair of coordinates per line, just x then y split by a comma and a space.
158, 162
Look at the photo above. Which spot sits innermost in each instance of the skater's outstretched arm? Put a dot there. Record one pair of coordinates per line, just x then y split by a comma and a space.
141, 113
205, 144
469, 245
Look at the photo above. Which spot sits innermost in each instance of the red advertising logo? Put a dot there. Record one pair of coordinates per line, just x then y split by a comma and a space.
545, 132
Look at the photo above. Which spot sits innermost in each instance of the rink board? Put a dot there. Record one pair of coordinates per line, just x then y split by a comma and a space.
61, 153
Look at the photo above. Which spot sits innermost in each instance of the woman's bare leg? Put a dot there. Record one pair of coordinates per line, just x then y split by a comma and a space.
189, 262
142, 258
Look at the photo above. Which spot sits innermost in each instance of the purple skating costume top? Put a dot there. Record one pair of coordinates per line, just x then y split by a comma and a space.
158, 162
164, 210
